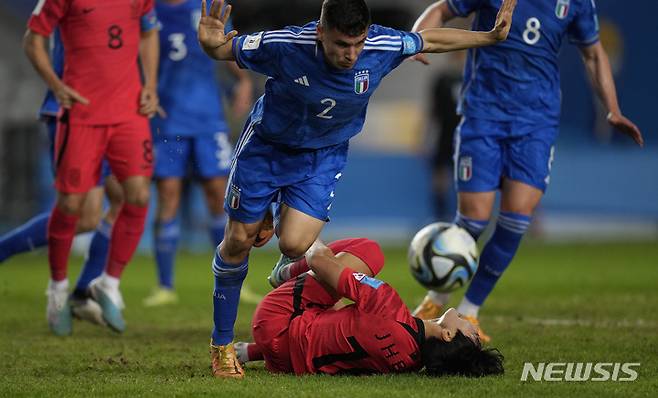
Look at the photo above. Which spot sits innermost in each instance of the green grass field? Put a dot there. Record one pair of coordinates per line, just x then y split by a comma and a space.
556, 303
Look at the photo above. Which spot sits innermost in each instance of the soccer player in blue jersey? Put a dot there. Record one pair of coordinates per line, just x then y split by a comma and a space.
294, 146
511, 107
33, 234
192, 133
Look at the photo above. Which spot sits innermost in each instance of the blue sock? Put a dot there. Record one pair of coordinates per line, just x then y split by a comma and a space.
216, 228
474, 227
497, 255
226, 297
96, 258
25, 238
167, 234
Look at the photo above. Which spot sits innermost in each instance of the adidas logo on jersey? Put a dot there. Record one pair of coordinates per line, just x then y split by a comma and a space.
303, 81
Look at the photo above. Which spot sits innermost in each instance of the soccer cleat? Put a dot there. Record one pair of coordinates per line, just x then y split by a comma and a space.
277, 277
241, 352
484, 338
161, 296
87, 309
58, 312
224, 361
428, 309
111, 303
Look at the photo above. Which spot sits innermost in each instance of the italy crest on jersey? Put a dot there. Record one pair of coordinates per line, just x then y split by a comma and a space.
361, 81
465, 171
562, 8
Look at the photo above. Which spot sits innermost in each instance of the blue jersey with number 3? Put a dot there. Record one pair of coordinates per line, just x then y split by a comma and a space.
518, 79
188, 87
308, 103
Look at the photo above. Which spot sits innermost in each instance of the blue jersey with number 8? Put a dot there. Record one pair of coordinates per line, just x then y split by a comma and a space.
518, 79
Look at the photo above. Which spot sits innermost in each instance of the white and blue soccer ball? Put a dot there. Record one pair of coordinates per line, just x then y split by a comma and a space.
443, 257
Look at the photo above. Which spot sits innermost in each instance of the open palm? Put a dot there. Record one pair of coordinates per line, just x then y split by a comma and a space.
212, 26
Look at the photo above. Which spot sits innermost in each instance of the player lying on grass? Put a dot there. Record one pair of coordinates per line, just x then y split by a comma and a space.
294, 145
297, 329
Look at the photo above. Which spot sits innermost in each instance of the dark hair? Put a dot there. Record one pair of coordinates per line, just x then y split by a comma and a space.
350, 17
460, 357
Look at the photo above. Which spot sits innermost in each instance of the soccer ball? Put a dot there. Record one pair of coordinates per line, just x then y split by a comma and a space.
443, 257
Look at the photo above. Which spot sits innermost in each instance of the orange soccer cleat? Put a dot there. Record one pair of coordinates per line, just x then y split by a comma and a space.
225, 362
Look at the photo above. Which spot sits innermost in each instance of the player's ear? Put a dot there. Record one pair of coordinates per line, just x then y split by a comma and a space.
447, 335
320, 31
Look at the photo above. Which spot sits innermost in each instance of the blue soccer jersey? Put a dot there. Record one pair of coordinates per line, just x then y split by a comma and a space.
50, 107
307, 103
188, 86
518, 79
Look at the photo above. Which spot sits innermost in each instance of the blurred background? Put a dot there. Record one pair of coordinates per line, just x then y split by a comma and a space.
602, 186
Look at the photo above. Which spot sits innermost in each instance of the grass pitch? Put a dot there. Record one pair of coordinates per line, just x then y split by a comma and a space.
556, 303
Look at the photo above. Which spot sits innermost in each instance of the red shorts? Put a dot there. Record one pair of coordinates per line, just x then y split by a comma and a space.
274, 313
80, 149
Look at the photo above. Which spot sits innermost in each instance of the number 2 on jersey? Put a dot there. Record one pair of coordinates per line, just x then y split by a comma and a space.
531, 34
331, 103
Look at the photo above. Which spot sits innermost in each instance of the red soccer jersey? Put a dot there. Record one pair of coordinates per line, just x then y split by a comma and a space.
101, 43
375, 335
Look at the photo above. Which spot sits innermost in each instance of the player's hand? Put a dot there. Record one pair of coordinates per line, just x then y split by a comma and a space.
148, 101
420, 57
503, 20
66, 96
211, 26
242, 97
625, 126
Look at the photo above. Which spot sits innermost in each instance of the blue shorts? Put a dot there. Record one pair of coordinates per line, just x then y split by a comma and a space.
51, 125
208, 155
488, 151
262, 173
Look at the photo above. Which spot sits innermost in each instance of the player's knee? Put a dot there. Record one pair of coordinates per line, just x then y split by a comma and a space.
88, 222
293, 248
138, 195
236, 244
70, 204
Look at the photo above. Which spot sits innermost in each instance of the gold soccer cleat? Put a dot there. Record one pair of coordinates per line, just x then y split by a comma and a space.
160, 297
484, 338
427, 309
225, 362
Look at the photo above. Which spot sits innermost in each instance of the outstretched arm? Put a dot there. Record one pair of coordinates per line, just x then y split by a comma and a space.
438, 40
212, 38
598, 68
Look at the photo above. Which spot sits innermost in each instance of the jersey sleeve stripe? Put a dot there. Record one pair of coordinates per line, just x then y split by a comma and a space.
384, 43
383, 37
377, 48
297, 41
283, 35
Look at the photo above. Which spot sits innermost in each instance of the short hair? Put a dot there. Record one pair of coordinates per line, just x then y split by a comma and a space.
460, 357
350, 17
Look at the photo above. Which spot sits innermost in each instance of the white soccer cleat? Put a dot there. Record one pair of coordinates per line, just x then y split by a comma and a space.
58, 312
111, 303
279, 274
241, 352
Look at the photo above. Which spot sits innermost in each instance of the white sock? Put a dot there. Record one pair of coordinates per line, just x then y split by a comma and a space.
467, 308
110, 281
62, 285
438, 298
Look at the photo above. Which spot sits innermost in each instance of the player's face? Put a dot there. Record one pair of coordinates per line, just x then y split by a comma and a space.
451, 322
341, 50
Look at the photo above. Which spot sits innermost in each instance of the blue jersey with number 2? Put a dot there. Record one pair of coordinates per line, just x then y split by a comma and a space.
308, 103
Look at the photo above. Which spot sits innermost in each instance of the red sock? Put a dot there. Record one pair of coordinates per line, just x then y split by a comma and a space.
254, 353
365, 249
61, 230
126, 233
